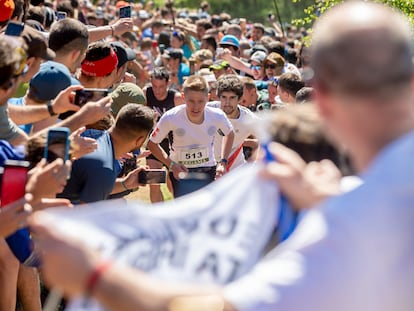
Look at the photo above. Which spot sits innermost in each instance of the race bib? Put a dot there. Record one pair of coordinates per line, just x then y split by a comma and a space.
194, 157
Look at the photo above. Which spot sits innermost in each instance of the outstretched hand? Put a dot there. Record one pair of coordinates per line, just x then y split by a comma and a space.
303, 184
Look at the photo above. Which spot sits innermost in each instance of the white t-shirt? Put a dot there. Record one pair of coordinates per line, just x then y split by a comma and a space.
355, 252
192, 144
242, 129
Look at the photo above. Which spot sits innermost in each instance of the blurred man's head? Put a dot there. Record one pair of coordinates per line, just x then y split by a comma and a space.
289, 84
362, 62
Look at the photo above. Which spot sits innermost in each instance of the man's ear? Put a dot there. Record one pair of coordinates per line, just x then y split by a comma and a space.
322, 103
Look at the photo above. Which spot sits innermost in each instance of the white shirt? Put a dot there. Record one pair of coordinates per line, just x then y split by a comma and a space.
355, 252
192, 144
243, 128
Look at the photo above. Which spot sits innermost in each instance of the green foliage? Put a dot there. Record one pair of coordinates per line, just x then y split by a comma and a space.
252, 10
319, 6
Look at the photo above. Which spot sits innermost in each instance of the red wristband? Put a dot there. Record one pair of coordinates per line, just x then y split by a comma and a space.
95, 275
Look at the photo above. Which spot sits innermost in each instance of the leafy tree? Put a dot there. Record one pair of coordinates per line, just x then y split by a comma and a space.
252, 10
319, 6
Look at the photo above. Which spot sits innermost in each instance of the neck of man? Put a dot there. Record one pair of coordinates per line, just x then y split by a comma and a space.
399, 120
118, 144
64, 60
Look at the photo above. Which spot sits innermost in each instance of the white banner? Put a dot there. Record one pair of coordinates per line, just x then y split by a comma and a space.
214, 235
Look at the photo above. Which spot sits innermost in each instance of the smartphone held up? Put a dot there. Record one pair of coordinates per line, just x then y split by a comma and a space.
57, 145
89, 95
153, 176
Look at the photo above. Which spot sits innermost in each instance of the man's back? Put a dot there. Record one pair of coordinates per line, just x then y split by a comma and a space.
93, 176
357, 246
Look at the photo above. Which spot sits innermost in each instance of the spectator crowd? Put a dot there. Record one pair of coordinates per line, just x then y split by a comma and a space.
188, 91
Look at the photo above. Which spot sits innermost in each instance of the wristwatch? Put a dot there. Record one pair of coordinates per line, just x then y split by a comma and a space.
50, 109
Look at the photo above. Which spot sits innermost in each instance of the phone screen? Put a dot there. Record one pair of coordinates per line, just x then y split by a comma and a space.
57, 144
125, 12
87, 95
13, 186
14, 29
152, 177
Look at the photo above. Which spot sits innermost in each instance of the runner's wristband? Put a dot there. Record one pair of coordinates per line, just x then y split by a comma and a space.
171, 165
95, 276
224, 161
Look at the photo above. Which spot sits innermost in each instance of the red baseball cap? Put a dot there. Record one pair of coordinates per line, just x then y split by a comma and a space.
6, 9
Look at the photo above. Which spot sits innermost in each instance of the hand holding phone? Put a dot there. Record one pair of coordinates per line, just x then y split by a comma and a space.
125, 12
153, 176
57, 145
219, 52
89, 95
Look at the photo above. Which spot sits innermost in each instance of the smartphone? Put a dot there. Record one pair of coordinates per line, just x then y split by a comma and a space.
162, 48
155, 176
14, 29
192, 181
219, 51
57, 145
125, 12
13, 186
87, 95
61, 15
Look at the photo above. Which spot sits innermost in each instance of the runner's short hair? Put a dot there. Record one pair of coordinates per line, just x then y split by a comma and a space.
196, 83
160, 73
230, 83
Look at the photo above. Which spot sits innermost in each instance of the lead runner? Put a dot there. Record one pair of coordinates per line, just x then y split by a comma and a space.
193, 128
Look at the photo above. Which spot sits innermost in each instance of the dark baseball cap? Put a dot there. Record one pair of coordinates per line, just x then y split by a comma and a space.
123, 53
52, 78
36, 44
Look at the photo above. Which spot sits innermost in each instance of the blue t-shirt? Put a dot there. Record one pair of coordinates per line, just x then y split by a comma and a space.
27, 128
93, 176
183, 71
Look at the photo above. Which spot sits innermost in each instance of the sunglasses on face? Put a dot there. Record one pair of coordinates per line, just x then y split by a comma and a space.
270, 66
255, 67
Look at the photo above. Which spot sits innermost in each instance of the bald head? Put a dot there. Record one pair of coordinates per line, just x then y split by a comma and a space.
360, 48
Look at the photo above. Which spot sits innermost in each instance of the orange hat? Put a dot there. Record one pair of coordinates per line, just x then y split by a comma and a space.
6, 9
119, 4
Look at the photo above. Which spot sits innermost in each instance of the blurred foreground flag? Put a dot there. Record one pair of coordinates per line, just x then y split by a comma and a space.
214, 235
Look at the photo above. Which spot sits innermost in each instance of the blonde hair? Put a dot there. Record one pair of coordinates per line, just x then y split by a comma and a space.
196, 83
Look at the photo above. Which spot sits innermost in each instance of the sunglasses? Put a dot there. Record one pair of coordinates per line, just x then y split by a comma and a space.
257, 67
270, 66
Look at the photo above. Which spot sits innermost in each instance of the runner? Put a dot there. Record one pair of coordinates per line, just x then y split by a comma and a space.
193, 128
160, 99
230, 92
